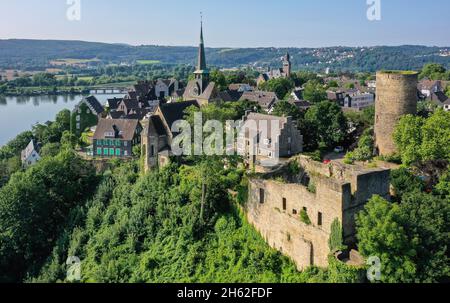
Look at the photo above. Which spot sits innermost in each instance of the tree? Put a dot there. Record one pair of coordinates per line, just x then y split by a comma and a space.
408, 138
419, 139
33, 208
327, 123
336, 241
314, 92
433, 71
426, 220
219, 79
282, 87
381, 233
287, 109
403, 182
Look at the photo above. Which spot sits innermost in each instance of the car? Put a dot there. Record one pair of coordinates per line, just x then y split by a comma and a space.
339, 150
326, 161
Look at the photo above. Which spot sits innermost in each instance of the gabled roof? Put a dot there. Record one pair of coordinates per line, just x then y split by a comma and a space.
440, 96
114, 103
93, 104
31, 147
175, 111
116, 128
264, 99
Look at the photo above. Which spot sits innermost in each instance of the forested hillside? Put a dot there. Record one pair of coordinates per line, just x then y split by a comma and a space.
36, 54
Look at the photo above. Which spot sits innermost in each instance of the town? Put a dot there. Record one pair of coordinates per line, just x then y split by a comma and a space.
298, 215
261, 173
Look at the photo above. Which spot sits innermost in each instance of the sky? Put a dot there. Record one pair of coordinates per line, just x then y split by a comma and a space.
231, 23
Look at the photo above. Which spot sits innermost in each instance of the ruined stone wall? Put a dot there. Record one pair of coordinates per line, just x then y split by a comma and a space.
396, 96
282, 228
341, 191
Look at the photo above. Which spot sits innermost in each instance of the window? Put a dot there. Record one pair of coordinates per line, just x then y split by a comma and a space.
78, 118
261, 196
99, 151
118, 143
118, 152
125, 153
152, 151
125, 143
88, 111
320, 219
78, 126
111, 151
294, 212
284, 204
105, 152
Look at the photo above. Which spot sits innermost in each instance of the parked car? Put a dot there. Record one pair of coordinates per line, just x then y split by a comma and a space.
339, 150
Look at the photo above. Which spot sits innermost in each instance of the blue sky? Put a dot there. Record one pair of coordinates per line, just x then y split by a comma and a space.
231, 23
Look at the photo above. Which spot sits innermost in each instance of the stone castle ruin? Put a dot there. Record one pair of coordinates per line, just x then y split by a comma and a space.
279, 200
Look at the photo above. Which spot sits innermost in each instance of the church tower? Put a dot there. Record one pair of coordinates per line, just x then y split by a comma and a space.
287, 65
202, 72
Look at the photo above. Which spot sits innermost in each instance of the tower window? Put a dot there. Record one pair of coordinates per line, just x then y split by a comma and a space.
284, 204
320, 219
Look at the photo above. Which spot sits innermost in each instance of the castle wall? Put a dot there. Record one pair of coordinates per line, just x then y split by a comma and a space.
341, 191
396, 96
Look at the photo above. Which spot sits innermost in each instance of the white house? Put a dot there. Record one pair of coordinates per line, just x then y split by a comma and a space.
358, 100
30, 155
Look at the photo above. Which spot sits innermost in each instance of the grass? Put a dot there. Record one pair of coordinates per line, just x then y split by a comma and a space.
399, 72
148, 62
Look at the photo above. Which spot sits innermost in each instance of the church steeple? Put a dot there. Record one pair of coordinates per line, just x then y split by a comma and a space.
201, 51
202, 72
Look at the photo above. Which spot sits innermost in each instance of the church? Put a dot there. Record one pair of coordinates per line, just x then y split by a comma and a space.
201, 89
284, 72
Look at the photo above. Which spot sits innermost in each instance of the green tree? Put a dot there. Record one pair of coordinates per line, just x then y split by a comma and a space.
33, 208
314, 92
282, 87
419, 139
336, 241
219, 79
408, 138
381, 233
403, 182
287, 109
327, 123
433, 71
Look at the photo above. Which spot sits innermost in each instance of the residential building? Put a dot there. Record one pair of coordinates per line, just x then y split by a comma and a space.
240, 87
85, 115
428, 87
297, 94
30, 155
264, 138
266, 100
357, 100
115, 138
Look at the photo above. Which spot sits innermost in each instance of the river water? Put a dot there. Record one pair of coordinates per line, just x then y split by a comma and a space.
18, 114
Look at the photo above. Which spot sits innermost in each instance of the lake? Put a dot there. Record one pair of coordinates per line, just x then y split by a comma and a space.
18, 114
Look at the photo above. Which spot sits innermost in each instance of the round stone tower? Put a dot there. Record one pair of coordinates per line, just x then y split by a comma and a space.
396, 97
